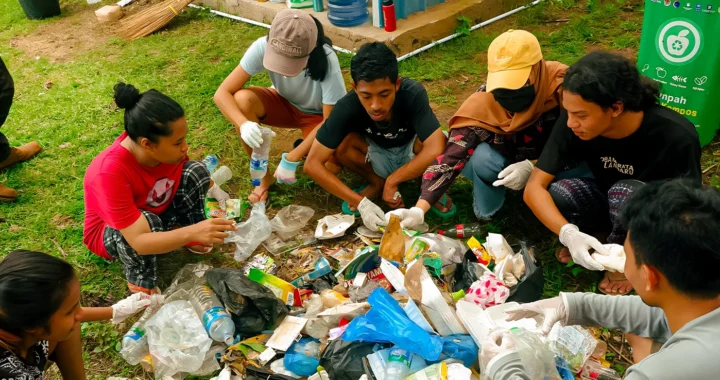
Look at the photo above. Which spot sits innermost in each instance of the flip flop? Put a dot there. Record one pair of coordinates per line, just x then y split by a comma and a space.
346, 206
607, 275
443, 215
259, 196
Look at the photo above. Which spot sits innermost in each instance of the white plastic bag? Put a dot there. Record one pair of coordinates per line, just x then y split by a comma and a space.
177, 339
290, 220
250, 233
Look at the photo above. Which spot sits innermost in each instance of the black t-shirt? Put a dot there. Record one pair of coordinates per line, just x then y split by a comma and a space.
665, 146
411, 116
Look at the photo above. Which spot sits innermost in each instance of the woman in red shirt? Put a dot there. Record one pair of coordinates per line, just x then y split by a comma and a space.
143, 197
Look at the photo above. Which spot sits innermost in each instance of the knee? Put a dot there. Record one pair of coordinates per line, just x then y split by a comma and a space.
486, 163
246, 100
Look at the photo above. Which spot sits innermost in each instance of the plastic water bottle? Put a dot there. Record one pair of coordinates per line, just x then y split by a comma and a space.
211, 161
221, 175
399, 362
216, 320
259, 157
134, 344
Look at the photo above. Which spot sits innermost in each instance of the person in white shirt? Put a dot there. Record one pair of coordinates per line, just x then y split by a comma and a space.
306, 84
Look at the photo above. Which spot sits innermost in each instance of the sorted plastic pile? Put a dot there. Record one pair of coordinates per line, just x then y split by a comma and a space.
389, 306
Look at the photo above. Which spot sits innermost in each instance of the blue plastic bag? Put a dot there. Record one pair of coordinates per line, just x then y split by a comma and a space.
459, 346
303, 357
387, 322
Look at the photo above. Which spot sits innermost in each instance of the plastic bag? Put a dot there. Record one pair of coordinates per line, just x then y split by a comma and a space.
387, 322
177, 339
291, 219
303, 357
532, 283
253, 306
278, 366
451, 251
468, 272
487, 291
250, 233
188, 277
343, 360
572, 343
459, 347
537, 360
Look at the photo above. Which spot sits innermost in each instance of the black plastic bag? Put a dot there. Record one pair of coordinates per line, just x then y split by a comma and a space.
256, 373
531, 286
325, 282
253, 307
466, 273
343, 360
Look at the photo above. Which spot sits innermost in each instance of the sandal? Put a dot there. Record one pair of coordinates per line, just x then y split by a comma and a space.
346, 206
443, 215
618, 277
259, 196
191, 247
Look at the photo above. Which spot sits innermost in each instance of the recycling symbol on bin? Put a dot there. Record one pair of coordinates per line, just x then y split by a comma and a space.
679, 41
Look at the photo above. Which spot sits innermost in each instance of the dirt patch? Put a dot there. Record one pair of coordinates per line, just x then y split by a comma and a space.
62, 221
461, 89
74, 33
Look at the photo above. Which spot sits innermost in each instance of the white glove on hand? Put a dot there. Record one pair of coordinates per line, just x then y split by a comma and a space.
409, 218
497, 343
372, 215
136, 302
551, 310
614, 261
580, 245
251, 133
515, 176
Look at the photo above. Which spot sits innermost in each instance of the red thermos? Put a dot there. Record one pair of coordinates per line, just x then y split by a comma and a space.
388, 8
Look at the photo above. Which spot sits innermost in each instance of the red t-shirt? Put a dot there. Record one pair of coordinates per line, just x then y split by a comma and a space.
117, 187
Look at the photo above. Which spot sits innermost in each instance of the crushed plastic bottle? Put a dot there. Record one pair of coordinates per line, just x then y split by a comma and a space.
250, 233
134, 344
215, 319
259, 157
211, 162
399, 363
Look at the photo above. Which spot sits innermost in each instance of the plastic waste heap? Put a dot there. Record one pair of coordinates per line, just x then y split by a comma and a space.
259, 157
215, 319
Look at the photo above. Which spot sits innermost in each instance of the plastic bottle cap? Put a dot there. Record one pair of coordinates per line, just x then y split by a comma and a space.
255, 182
441, 232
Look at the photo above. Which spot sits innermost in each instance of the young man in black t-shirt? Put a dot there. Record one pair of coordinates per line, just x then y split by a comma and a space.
612, 122
384, 130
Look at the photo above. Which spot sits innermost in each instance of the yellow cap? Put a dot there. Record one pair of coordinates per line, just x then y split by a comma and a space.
510, 58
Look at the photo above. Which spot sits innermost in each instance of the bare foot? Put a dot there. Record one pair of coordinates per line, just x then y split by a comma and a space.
260, 193
615, 284
446, 208
563, 255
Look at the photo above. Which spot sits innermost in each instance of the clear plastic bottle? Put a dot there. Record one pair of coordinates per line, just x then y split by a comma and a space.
259, 157
134, 343
211, 161
461, 231
398, 366
221, 175
216, 320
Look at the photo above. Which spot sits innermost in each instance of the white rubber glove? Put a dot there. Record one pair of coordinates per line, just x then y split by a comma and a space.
251, 133
409, 218
136, 302
496, 344
515, 176
372, 215
550, 310
580, 244
614, 261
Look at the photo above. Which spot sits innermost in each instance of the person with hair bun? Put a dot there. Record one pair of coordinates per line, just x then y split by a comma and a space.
613, 122
306, 83
143, 197
40, 316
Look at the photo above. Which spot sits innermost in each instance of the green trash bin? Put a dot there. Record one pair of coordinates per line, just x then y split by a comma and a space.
680, 48
39, 9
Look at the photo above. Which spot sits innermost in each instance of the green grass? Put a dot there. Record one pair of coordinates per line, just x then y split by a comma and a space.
75, 119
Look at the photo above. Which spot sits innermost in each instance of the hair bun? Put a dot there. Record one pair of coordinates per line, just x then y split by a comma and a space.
126, 95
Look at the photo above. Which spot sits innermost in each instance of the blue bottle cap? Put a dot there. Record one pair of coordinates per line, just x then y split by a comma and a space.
255, 182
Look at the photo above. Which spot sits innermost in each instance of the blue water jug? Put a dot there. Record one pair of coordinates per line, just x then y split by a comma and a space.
347, 12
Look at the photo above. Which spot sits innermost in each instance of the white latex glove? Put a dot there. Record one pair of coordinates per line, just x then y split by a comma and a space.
372, 215
515, 176
409, 218
251, 133
136, 302
496, 344
614, 261
551, 310
580, 244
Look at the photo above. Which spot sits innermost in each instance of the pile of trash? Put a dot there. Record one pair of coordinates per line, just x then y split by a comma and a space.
390, 305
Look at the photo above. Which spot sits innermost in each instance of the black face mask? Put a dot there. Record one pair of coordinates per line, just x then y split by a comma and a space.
515, 100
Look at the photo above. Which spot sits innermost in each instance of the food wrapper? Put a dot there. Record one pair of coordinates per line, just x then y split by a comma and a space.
417, 248
233, 209
261, 262
392, 245
479, 251
212, 209
487, 291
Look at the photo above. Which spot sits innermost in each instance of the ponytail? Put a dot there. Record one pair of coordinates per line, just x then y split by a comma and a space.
318, 62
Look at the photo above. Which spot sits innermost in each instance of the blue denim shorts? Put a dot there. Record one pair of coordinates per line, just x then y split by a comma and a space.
386, 161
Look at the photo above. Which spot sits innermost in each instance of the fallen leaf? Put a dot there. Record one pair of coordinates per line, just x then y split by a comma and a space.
15, 228
48, 84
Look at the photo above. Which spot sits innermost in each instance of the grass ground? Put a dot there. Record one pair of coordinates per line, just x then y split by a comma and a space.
64, 69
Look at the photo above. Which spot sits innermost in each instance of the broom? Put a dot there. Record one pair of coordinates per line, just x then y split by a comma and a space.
151, 19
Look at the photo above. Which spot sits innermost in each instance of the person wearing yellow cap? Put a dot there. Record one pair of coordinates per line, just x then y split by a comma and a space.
497, 130
307, 82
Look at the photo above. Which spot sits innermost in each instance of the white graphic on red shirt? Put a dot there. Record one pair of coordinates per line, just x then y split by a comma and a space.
160, 193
